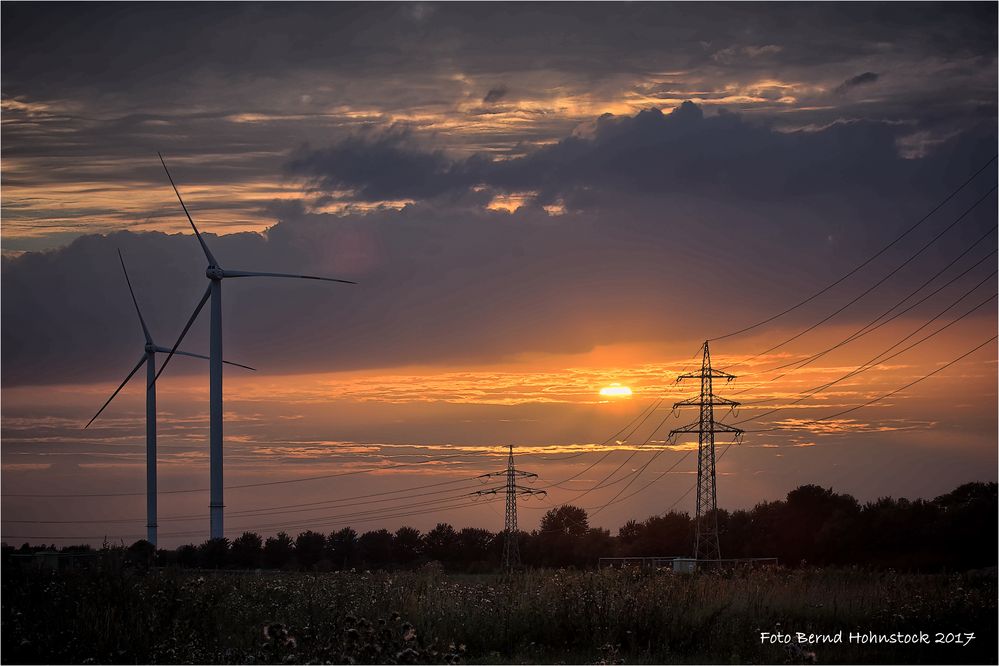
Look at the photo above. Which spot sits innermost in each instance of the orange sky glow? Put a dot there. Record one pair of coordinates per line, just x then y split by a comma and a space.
544, 219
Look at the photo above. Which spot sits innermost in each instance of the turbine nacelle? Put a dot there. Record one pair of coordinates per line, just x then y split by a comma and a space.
214, 273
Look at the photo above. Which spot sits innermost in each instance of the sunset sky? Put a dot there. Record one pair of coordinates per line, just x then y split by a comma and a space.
537, 201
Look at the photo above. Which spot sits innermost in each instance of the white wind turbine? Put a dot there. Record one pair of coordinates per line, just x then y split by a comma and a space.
149, 358
215, 273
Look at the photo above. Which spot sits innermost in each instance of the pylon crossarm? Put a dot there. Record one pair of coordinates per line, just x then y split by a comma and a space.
722, 427
690, 427
491, 474
700, 374
714, 427
714, 401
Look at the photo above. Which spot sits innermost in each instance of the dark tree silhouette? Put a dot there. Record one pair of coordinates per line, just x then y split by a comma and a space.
141, 553
629, 533
812, 526
406, 545
668, 534
475, 545
187, 556
566, 519
214, 553
278, 551
341, 548
560, 535
309, 547
247, 550
375, 548
441, 544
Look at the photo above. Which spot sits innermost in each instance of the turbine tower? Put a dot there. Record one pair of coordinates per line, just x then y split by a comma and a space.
706, 536
215, 274
511, 548
149, 358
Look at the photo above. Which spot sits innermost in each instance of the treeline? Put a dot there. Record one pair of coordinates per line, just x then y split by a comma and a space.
812, 526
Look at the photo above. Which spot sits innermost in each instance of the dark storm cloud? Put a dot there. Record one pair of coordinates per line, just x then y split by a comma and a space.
858, 80
92, 91
379, 168
650, 154
495, 95
657, 203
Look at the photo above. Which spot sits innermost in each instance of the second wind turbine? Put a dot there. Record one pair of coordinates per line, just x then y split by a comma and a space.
215, 274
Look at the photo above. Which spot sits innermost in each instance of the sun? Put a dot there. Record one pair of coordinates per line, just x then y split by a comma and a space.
615, 391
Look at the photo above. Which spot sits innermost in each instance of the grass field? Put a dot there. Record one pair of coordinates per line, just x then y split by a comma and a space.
609, 616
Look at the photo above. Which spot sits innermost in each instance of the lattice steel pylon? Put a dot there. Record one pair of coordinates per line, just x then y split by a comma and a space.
511, 548
706, 524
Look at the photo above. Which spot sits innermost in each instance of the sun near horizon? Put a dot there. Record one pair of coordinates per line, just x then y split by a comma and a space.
615, 390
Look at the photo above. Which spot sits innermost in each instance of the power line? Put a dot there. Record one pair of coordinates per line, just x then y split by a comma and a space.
877, 360
873, 325
863, 264
603, 482
694, 485
863, 367
875, 285
248, 513
615, 500
244, 485
195, 533
608, 453
889, 394
607, 441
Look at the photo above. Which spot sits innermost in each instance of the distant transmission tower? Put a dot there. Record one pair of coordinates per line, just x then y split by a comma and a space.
511, 549
706, 536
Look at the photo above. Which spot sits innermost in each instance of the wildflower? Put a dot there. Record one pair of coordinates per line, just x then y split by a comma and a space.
407, 656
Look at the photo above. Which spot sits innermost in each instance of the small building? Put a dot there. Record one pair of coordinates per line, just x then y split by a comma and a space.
684, 565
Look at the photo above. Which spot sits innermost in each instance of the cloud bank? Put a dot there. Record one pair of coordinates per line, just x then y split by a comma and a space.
675, 226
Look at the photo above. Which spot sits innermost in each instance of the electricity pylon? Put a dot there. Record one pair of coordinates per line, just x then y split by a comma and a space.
511, 548
706, 525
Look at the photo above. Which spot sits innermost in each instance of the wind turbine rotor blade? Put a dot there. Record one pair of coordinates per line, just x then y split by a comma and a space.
145, 330
240, 365
118, 390
208, 253
236, 274
187, 327
207, 358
